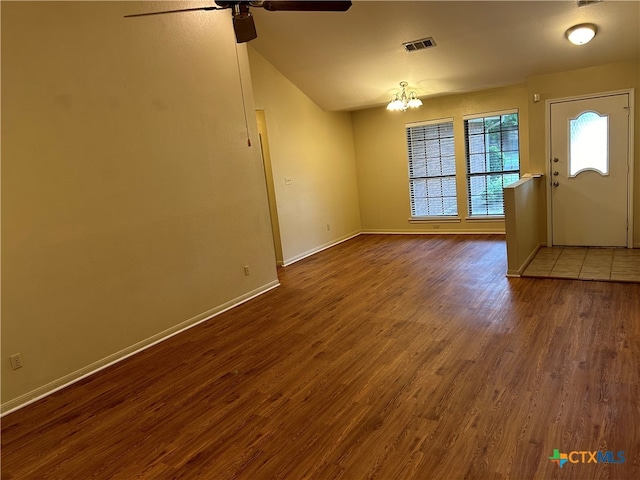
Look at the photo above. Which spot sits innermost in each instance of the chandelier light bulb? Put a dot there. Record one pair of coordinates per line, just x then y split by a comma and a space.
414, 101
395, 104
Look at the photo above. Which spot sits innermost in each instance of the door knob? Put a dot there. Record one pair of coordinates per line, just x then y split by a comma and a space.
555, 174
555, 160
556, 183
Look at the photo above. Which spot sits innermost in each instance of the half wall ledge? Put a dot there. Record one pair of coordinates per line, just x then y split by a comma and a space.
524, 212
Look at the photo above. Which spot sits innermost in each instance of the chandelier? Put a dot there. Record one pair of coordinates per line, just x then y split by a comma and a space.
401, 101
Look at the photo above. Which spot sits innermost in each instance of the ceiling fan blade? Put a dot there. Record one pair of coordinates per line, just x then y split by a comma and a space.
306, 6
173, 11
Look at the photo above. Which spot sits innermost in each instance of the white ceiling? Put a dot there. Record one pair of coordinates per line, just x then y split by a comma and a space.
354, 60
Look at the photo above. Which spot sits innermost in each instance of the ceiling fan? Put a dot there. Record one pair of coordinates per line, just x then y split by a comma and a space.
243, 24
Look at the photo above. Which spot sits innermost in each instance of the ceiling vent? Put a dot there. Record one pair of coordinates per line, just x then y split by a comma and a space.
584, 3
419, 44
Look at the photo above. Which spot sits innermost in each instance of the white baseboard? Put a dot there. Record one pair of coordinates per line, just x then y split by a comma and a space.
65, 381
430, 232
315, 250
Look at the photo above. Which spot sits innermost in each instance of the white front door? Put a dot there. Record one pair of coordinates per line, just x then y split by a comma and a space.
589, 169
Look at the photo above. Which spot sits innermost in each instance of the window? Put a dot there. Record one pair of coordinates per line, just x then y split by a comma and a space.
432, 169
589, 143
493, 160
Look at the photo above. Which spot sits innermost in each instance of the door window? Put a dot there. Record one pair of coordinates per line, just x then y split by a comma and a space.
589, 143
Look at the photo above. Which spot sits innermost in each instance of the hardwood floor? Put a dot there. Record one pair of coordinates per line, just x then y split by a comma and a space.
386, 357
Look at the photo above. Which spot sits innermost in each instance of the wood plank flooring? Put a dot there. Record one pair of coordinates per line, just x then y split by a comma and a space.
386, 357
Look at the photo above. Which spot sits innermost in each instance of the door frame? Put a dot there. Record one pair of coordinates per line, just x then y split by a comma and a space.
267, 169
630, 158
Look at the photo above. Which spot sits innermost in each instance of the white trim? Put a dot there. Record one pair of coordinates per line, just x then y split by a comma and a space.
428, 122
547, 168
485, 218
95, 367
630, 164
315, 250
435, 219
492, 114
630, 174
589, 96
430, 232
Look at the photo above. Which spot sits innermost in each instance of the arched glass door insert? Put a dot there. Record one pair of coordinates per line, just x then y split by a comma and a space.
589, 143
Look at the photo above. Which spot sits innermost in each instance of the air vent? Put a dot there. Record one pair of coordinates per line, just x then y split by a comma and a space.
584, 3
419, 44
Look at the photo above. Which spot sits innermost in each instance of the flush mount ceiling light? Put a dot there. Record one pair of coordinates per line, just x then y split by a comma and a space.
401, 101
581, 34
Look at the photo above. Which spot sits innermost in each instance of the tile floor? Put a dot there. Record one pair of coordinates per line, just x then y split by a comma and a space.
610, 264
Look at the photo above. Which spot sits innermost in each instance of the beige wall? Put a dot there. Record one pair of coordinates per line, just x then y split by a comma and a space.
315, 150
130, 199
381, 145
381, 156
605, 78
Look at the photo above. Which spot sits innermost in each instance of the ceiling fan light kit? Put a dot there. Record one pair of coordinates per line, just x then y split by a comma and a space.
402, 101
243, 24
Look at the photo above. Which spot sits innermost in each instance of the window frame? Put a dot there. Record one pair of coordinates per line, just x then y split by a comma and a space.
487, 172
411, 177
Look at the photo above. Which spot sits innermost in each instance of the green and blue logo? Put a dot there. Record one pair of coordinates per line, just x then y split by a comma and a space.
559, 458
586, 456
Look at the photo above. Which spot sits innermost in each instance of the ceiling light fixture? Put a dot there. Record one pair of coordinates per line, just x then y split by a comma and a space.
401, 101
581, 34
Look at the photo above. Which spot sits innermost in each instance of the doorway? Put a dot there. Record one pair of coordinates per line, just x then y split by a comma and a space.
590, 171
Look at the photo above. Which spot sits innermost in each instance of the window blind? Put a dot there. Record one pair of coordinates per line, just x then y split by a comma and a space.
432, 169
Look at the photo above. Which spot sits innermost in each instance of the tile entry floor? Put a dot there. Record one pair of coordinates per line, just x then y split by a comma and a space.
586, 263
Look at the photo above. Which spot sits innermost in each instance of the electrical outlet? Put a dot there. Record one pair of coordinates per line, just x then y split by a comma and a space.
16, 361
246, 270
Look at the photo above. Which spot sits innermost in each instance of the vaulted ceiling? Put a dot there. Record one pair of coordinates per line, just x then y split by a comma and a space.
356, 59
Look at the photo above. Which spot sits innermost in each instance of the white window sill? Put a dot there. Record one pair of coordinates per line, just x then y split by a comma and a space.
485, 218
442, 219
